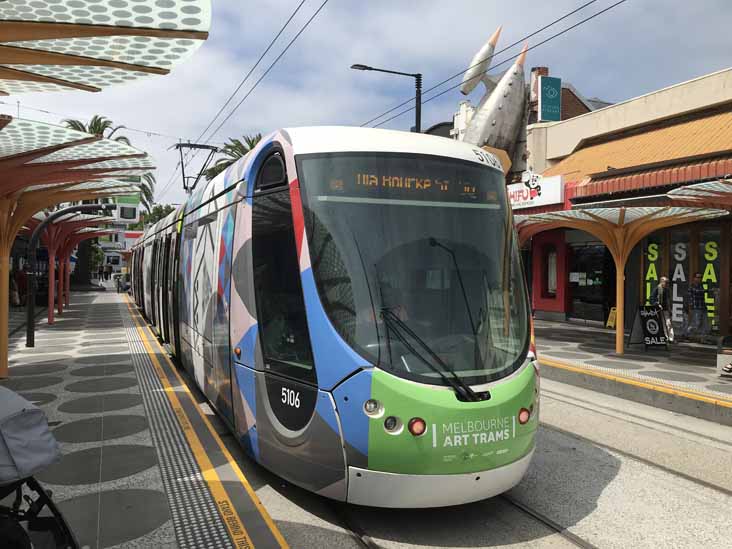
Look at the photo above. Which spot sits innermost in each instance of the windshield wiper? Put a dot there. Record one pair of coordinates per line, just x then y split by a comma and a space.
477, 356
455, 381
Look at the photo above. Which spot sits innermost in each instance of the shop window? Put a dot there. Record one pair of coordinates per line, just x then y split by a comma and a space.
653, 265
709, 267
549, 286
126, 212
678, 274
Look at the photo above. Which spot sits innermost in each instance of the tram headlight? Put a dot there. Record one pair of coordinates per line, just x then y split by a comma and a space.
373, 408
417, 426
393, 425
523, 416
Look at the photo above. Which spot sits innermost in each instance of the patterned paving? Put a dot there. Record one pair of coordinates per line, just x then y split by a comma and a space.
688, 365
130, 475
93, 401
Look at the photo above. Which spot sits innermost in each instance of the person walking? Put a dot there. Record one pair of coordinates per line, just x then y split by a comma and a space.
661, 298
696, 308
21, 282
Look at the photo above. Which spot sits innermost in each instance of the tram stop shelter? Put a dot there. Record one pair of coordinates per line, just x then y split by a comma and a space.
619, 229
710, 194
54, 237
42, 165
60, 46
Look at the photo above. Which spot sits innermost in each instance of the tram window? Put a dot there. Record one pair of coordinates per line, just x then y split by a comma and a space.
272, 174
280, 307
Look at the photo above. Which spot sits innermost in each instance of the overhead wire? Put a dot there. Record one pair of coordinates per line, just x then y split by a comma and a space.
150, 133
243, 81
405, 111
490, 57
254, 86
305, 26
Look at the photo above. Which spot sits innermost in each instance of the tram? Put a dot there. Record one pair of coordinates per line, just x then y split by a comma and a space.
351, 302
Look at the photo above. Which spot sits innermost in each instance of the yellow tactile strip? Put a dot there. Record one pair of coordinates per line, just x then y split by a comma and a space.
201, 436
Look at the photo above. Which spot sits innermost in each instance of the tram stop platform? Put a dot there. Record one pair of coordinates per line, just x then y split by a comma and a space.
682, 379
147, 464
143, 465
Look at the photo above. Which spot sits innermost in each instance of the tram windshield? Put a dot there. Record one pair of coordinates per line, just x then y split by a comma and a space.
416, 263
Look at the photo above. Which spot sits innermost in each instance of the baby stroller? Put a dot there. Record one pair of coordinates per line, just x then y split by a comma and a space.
28, 517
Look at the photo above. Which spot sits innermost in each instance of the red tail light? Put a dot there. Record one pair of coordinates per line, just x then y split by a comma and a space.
524, 416
417, 426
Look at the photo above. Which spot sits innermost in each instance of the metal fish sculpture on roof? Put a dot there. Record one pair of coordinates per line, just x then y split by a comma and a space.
500, 113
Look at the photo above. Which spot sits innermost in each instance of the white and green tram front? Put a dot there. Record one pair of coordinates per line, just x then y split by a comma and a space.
415, 266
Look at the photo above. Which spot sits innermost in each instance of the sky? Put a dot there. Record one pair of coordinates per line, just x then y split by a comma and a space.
635, 48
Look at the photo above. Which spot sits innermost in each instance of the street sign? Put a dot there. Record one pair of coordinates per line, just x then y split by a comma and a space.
550, 99
649, 327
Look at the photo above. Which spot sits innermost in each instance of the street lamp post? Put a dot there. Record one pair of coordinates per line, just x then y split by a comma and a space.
417, 90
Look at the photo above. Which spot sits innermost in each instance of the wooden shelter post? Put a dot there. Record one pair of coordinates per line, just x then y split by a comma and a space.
4, 307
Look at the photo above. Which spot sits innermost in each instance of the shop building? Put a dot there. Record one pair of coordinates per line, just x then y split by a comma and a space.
631, 154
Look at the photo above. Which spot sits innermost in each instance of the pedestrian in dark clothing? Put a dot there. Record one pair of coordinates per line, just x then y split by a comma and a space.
696, 308
660, 297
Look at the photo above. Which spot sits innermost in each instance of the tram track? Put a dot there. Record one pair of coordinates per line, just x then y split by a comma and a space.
352, 528
652, 424
639, 459
366, 542
574, 539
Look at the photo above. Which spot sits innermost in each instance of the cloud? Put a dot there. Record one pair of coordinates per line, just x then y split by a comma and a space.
624, 53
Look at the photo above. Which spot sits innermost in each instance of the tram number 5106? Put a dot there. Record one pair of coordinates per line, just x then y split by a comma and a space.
290, 397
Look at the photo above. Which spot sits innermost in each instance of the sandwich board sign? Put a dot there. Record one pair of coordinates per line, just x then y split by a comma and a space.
649, 327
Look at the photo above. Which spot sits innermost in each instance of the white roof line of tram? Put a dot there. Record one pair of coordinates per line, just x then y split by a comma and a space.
326, 139
323, 139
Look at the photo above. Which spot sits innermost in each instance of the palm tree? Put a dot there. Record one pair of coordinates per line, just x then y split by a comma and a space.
102, 126
232, 151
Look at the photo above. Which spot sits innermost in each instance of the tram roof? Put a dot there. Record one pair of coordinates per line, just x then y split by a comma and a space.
324, 139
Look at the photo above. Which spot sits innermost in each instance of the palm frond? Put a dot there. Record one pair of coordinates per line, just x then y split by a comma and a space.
99, 124
110, 134
145, 203
146, 192
77, 125
232, 151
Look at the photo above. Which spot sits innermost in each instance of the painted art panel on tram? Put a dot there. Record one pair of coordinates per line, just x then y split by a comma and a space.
352, 303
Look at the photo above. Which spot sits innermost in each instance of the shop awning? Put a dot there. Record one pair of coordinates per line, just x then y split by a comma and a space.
670, 154
620, 229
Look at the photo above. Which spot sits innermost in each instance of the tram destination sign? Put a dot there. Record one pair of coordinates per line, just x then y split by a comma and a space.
422, 187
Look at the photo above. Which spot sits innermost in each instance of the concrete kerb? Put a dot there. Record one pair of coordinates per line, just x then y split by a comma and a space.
697, 404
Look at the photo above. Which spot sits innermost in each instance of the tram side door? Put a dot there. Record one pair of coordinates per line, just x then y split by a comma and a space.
284, 339
293, 436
